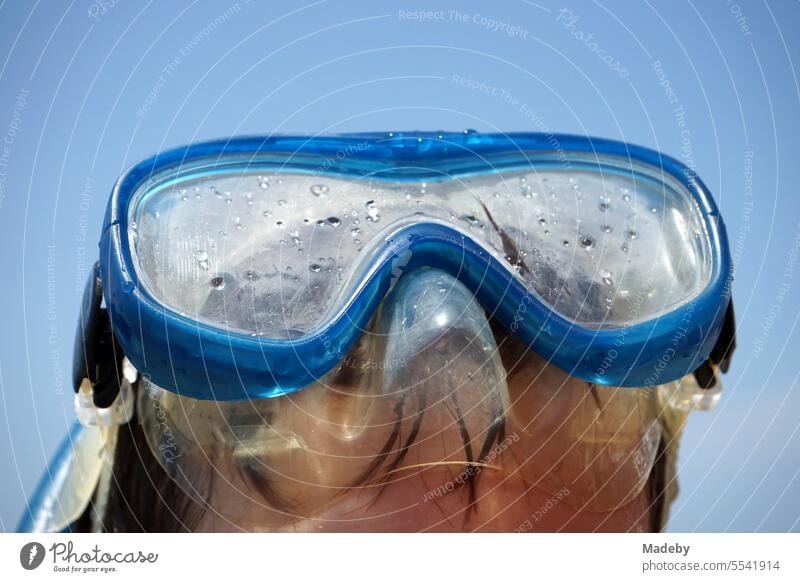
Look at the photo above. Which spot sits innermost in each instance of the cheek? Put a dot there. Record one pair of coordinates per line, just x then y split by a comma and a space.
598, 444
514, 505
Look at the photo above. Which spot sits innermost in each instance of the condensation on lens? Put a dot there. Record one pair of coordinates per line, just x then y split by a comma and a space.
185, 253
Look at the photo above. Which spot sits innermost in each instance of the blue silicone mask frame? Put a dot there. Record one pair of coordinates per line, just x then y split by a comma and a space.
196, 359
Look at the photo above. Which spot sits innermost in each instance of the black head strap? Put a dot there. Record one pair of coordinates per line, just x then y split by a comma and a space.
706, 374
96, 356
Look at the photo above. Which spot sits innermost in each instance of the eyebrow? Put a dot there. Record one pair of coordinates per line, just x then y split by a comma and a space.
509, 248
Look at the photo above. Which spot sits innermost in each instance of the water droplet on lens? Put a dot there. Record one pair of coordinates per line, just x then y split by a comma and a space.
315, 268
281, 202
606, 228
267, 213
200, 255
319, 190
218, 283
626, 198
333, 221
565, 243
542, 221
586, 242
605, 276
631, 235
372, 211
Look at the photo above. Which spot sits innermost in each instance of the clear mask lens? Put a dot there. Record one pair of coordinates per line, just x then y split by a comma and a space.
274, 253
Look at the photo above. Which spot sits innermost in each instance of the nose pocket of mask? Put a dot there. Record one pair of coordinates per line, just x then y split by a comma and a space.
448, 365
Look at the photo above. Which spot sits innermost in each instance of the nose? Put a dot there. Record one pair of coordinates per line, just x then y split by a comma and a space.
432, 327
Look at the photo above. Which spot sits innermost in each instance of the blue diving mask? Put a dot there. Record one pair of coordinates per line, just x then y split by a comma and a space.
248, 268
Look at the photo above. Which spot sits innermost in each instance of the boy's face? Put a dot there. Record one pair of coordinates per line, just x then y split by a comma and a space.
548, 452
438, 420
